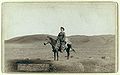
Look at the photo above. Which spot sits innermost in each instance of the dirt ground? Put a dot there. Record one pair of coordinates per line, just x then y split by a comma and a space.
93, 54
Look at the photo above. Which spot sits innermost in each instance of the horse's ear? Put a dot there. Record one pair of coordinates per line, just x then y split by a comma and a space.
47, 36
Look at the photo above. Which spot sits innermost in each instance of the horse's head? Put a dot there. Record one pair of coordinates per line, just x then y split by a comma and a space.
48, 40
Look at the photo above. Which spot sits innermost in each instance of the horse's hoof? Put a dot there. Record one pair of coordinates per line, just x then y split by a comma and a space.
44, 44
71, 56
67, 58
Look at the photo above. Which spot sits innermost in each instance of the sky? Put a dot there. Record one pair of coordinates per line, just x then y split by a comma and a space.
20, 19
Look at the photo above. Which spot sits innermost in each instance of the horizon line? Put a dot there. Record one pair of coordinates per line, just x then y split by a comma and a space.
56, 35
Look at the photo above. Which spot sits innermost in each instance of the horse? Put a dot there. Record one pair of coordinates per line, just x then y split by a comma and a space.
53, 42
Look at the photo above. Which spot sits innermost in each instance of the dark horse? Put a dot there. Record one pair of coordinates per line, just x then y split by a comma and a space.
53, 42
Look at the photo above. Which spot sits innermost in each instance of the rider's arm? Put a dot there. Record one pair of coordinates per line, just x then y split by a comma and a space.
64, 36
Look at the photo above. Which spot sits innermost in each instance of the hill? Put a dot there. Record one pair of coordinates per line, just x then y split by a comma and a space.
76, 39
93, 53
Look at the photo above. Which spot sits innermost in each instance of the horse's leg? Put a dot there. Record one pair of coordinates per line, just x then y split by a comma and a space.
57, 56
54, 55
68, 50
68, 54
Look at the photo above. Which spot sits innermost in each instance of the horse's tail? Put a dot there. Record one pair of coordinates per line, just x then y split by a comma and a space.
70, 46
73, 50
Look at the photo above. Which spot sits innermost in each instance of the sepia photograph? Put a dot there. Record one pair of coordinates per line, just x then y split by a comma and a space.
59, 37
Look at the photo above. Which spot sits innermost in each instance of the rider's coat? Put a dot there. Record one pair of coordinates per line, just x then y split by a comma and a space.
61, 41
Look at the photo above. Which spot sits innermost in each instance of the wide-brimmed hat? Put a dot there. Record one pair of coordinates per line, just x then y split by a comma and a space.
62, 28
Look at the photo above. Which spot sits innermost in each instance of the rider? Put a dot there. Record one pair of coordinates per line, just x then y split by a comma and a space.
61, 40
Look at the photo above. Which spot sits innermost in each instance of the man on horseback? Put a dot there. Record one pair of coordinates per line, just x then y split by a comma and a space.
60, 45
